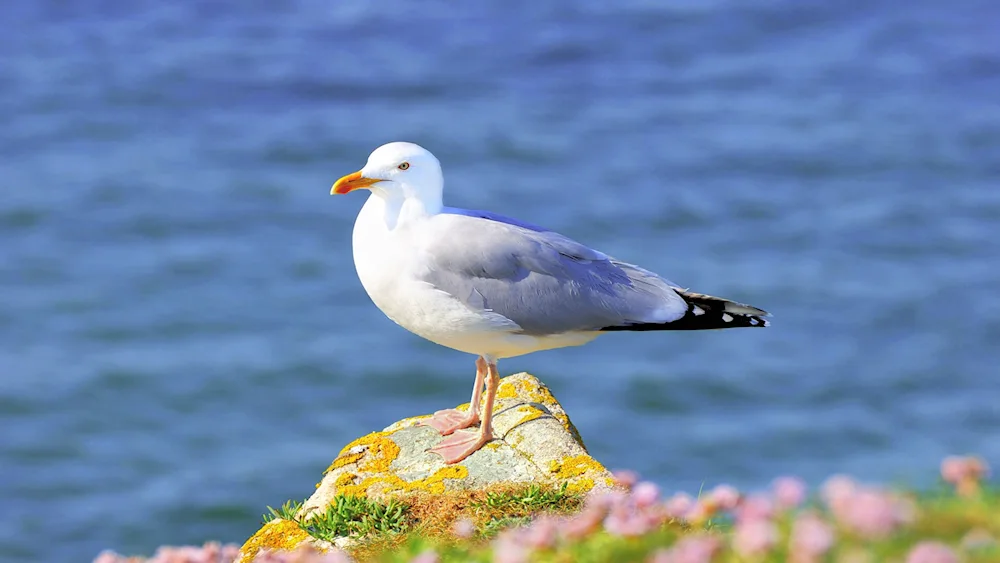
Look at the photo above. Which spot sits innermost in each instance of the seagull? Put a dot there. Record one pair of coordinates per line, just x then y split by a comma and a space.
498, 287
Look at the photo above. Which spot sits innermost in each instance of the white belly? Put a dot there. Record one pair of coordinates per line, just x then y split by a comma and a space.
385, 259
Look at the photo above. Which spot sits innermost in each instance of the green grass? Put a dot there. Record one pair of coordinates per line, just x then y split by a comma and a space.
346, 516
504, 509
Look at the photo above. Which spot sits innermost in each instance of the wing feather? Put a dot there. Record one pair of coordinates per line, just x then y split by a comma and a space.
544, 282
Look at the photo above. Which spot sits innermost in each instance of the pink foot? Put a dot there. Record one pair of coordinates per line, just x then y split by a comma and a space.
461, 445
450, 420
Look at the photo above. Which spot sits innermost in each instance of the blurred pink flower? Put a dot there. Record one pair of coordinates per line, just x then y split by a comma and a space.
678, 505
606, 499
624, 522
837, 491
303, 554
964, 473
932, 552
754, 536
870, 513
211, 552
541, 534
789, 492
724, 497
508, 549
645, 494
583, 523
425, 557
700, 512
463, 528
690, 549
625, 477
811, 538
755, 507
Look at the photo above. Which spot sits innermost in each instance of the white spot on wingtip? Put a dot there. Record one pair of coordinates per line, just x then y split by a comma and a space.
727, 317
753, 321
698, 311
767, 322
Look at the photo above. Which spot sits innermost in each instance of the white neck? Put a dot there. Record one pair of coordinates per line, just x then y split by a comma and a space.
397, 209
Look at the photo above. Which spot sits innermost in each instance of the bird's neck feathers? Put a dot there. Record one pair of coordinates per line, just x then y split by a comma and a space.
403, 206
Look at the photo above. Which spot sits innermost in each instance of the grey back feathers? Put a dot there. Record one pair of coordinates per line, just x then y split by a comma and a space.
543, 281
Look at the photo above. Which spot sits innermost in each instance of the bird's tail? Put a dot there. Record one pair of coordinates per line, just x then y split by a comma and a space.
706, 312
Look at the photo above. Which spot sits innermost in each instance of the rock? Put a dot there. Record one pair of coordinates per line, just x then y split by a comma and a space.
535, 443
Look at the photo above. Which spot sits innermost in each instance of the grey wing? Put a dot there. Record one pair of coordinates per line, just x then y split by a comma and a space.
544, 282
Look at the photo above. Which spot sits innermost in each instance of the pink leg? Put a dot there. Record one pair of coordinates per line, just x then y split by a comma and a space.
464, 443
450, 420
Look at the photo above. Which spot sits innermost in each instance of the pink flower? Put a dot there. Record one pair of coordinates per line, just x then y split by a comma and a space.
754, 537
211, 552
837, 491
811, 537
789, 492
425, 557
507, 548
606, 499
541, 534
702, 510
678, 505
724, 497
932, 552
645, 494
463, 528
964, 473
584, 523
624, 522
755, 507
690, 549
626, 478
303, 554
870, 513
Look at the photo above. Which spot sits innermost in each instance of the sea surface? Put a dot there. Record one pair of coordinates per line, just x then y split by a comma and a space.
184, 340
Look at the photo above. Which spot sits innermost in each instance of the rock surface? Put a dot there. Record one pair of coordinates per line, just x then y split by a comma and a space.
535, 443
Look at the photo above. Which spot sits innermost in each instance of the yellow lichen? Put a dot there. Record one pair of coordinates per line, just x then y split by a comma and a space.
278, 534
538, 393
376, 449
390, 483
506, 391
581, 485
344, 479
531, 414
344, 460
577, 471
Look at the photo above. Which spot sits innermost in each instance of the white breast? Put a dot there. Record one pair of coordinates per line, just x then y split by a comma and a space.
387, 261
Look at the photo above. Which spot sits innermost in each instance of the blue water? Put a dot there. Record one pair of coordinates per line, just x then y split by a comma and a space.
183, 338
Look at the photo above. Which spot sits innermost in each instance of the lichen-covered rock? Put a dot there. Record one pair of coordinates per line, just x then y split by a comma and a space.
535, 442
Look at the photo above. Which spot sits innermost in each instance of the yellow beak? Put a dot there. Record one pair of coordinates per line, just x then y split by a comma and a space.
352, 182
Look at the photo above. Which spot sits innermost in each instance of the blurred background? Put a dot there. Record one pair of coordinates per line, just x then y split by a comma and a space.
183, 338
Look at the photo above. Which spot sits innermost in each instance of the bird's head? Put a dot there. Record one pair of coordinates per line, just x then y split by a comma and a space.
398, 170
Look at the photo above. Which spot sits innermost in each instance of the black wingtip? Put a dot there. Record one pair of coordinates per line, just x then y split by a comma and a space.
705, 312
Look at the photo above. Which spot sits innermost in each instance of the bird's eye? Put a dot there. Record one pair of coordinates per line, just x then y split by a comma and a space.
404, 166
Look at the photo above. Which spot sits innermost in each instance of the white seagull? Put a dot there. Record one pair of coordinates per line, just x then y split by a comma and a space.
496, 287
